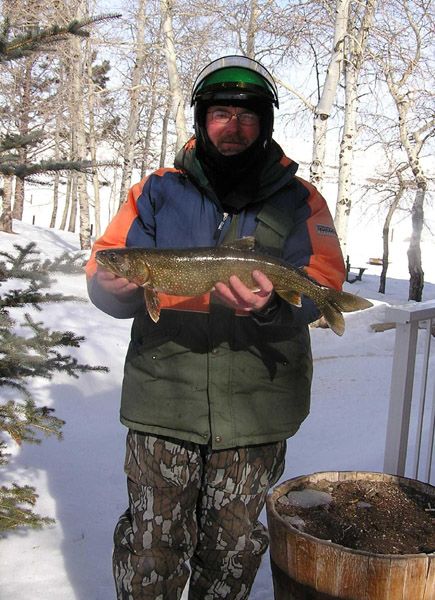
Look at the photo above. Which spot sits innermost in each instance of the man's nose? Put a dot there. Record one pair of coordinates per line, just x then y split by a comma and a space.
234, 123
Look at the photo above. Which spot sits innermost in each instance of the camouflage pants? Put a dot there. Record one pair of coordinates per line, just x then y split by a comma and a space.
189, 504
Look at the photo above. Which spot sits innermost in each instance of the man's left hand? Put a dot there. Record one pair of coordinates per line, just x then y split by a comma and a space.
238, 296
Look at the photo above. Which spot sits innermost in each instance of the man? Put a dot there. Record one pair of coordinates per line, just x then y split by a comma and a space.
212, 391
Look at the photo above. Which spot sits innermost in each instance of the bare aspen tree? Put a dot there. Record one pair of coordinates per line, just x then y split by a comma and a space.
27, 95
153, 99
402, 55
91, 101
67, 205
6, 215
164, 143
354, 54
135, 92
395, 202
252, 28
79, 131
318, 22
151, 110
73, 199
390, 185
323, 109
178, 101
23, 125
56, 179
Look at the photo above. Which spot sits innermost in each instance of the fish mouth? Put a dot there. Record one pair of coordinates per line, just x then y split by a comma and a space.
101, 258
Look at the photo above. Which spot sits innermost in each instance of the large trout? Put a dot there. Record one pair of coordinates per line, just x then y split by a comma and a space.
195, 271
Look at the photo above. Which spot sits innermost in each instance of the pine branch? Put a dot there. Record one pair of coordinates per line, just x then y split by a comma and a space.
45, 166
17, 141
24, 171
32, 296
25, 256
28, 351
65, 263
37, 355
13, 511
39, 38
26, 264
32, 420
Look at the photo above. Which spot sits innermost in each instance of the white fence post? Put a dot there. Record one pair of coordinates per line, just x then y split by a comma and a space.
407, 319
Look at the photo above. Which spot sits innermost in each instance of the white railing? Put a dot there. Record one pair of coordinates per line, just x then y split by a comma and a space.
412, 321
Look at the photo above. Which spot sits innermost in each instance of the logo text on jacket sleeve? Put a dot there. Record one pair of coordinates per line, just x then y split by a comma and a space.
325, 230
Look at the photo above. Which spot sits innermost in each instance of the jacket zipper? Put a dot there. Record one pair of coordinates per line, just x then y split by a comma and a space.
220, 226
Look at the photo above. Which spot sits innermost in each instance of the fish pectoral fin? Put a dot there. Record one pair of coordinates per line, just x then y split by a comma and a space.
244, 243
152, 303
290, 296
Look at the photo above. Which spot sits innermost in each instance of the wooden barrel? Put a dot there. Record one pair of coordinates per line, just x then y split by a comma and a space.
307, 568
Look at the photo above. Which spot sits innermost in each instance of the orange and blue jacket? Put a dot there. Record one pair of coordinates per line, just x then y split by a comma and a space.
203, 373
176, 208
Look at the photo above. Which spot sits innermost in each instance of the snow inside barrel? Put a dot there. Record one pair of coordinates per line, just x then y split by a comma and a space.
305, 567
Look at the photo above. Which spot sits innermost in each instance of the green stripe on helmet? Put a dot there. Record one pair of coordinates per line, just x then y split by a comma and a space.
238, 72
234, 75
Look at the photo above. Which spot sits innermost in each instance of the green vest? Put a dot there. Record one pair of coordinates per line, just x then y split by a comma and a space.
217, 378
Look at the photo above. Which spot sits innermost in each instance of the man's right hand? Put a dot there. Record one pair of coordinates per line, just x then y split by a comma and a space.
119, 286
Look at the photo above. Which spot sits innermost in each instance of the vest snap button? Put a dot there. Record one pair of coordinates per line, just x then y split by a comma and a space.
218, 439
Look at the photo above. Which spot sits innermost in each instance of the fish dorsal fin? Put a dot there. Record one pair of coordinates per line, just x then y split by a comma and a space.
152, 303
244, 243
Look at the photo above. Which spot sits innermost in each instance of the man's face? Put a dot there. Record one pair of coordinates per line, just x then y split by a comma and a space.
232, 134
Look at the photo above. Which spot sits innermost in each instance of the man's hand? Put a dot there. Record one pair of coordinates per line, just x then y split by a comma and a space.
238, 296
113, 284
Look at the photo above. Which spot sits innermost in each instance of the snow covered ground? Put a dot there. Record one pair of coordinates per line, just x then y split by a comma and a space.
80, 480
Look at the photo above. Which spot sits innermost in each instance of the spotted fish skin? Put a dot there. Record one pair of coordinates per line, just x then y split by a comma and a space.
195, 271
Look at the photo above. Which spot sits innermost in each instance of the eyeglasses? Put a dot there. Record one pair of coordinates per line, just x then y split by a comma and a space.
224, 116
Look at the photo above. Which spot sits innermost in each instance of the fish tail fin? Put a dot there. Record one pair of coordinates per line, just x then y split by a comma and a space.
346, 302
336, 302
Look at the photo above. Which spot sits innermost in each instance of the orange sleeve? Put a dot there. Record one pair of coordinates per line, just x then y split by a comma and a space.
326, 264
115, 236
116, 233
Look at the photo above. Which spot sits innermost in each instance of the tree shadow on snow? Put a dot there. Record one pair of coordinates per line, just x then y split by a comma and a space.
86, 479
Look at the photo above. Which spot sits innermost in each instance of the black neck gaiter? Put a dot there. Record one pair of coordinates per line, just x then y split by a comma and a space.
235, 179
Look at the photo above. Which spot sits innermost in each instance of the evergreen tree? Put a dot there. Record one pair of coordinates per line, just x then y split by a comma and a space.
14, 47
30, 350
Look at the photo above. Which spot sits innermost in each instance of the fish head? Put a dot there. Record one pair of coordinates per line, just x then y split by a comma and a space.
124, 262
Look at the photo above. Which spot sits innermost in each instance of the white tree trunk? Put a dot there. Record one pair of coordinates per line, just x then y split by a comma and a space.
78, 118
400, 84
132, 129
6, 214
252, 29
416, 281
329, 92
343, 205
56, 179
93, 140
178, 103
354, 57
164, 143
